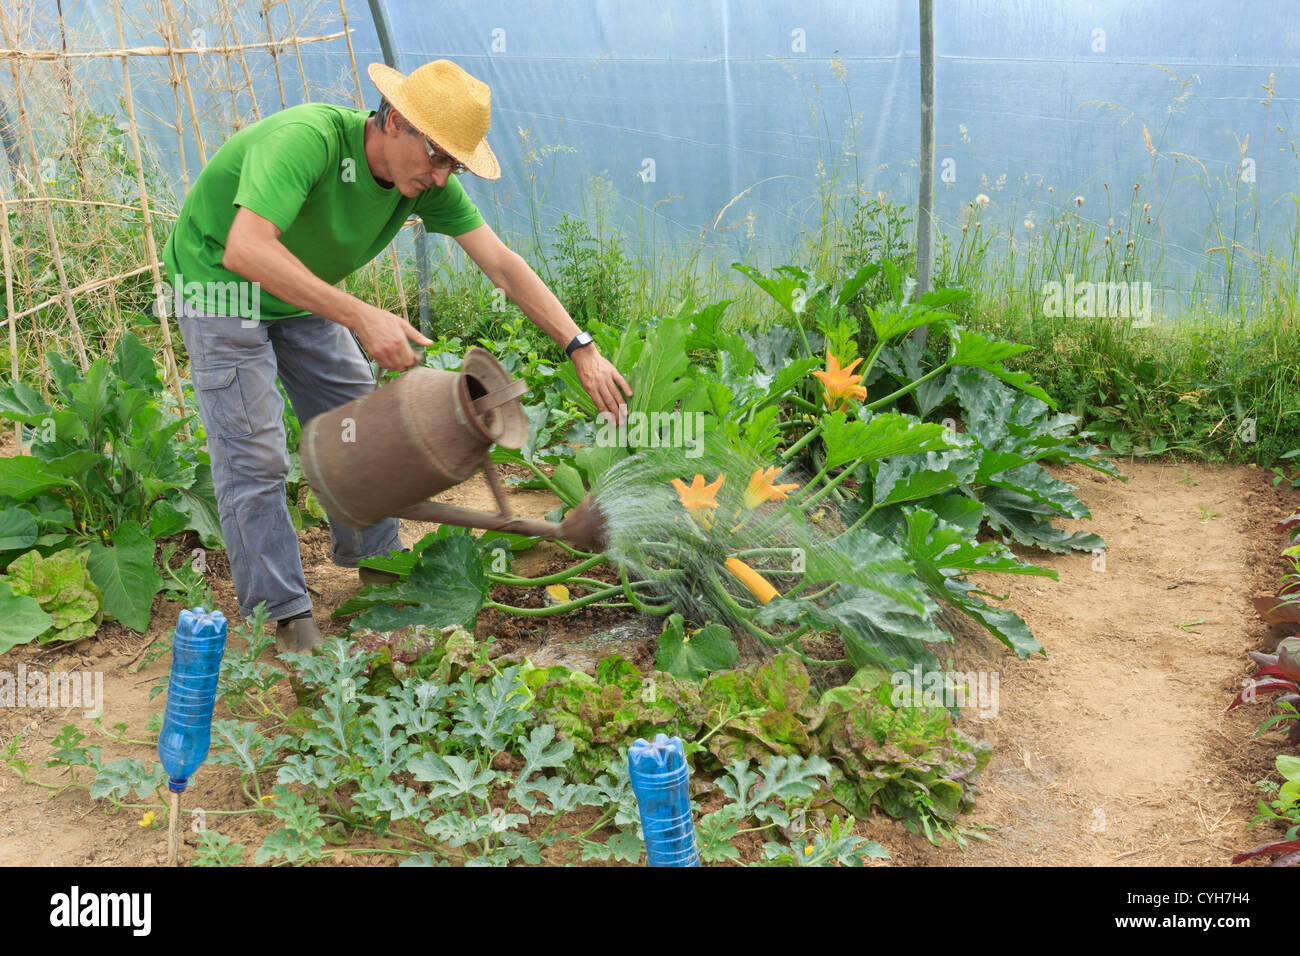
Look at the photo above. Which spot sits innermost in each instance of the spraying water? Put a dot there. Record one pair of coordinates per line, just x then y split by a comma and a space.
718, 552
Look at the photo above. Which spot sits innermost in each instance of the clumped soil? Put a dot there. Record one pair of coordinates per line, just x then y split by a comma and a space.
1116, 748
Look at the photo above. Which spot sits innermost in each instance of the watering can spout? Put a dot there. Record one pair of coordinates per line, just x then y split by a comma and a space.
386, 453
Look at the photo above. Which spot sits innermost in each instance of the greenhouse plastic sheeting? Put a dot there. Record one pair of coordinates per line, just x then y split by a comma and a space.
723, 124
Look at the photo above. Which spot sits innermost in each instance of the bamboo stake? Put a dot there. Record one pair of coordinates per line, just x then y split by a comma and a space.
169, 356
275, 57
35, 200
88, 286
185, 84
230, 82
70, 106
174, 831
306, 94
78, 343
243, 63
7, 254
176, 102
352, 57
10, 53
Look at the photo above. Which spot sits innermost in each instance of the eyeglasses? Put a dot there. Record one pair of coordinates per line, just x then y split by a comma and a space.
441, 160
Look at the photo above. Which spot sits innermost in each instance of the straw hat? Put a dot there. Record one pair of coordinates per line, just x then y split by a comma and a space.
447, 105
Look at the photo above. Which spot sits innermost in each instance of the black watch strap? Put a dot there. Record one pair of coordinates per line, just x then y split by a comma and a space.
579, 340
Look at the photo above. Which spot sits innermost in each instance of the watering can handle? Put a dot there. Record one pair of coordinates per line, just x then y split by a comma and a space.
502, 395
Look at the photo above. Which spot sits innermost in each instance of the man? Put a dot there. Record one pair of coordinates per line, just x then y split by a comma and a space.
287, 208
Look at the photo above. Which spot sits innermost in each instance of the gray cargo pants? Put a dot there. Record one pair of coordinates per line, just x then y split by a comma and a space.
233, 364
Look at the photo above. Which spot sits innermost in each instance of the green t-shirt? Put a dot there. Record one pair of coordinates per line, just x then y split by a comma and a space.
305, 170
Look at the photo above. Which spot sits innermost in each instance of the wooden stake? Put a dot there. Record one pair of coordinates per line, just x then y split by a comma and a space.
169, 356
176, 102
275, 57
10, 53
306, 93
174, 831
7, 255
352, 57
88, 286
230, 82
78, 343
243, 63
185, 84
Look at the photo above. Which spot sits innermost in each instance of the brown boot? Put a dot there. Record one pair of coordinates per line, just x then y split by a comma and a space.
298, 636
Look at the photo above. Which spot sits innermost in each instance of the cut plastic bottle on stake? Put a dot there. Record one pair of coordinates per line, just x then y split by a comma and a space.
197, 649
660, 778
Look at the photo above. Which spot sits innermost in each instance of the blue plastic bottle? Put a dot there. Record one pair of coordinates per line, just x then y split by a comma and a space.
197, 647
659, 779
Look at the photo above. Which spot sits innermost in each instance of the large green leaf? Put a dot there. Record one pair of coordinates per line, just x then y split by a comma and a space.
21, 618
912, 477
885, 434
659, 382
940, 554
1029, 522
973, 349
447, 585
791, 286
92, 396
133, 362
888, 323
569, 482
870, 561
694, 656
25, 477
1033, 481
18, 529
22, 403
199, 503
876, 630
125, 573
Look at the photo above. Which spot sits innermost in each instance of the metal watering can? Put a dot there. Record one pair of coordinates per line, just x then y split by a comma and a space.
385, 454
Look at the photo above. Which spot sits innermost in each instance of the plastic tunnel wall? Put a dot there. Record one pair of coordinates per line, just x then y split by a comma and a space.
723, 126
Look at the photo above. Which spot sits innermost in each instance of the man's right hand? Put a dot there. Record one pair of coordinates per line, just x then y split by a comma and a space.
386, 338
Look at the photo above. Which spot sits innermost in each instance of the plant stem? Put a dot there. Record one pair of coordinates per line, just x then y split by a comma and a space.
861, 518
802, 442
558, 608
911, 387
558, 577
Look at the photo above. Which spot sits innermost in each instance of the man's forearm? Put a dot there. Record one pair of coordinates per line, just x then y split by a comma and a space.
283, 275
526, 290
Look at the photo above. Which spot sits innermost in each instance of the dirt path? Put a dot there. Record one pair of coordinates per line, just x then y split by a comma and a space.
1115, 750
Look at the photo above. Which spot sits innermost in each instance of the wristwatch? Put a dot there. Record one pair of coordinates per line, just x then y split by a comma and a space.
579, 340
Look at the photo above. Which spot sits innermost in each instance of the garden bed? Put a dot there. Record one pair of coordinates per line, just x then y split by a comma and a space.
1116, 748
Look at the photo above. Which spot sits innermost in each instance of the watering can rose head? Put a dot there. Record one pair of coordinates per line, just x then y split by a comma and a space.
841, 385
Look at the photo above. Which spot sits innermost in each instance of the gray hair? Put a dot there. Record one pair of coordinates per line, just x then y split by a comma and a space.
385, 111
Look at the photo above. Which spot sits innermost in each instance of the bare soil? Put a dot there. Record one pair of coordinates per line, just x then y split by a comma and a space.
1115, 749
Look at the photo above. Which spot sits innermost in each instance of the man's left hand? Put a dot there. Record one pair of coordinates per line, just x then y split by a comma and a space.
602, 382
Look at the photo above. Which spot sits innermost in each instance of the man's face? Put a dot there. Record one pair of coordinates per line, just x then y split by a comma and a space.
408, 160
